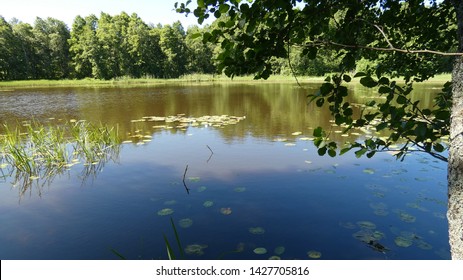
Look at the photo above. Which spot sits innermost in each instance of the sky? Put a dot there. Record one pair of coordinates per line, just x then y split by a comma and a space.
150, 11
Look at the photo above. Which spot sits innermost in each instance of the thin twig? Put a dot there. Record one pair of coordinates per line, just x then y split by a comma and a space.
184, 184
290, 65
384, 35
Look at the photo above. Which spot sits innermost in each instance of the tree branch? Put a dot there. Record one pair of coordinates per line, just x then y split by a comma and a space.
319, 43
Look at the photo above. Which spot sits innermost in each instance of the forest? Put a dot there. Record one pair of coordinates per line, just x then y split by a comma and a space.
110, 47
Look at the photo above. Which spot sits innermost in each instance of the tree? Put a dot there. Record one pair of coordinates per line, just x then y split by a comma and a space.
406, 38
173, 45
199, 53
8, 51
84, 48
52, 49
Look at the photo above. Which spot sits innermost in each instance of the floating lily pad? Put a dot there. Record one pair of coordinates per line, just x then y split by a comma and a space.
366, 225
239, 189
194, 179
170, 202
208, 203
202, 188
257, 230
274, 258
165, 212
195, 249
364, 236
407, 217
260, 251
279, 250
369, 171
185, 223
290, 144
296, 133
423, 245
402, 241
314, 254
226, 210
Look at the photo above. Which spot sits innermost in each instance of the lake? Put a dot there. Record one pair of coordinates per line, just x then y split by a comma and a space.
250, 187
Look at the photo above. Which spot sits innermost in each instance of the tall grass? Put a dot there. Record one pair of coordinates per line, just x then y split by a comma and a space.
32, 152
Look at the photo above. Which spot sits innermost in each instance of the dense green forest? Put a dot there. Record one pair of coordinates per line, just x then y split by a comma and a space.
108, 47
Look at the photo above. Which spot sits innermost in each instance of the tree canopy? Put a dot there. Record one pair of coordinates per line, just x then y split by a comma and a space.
387, 33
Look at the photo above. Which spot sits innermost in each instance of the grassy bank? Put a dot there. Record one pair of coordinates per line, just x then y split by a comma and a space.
193, 78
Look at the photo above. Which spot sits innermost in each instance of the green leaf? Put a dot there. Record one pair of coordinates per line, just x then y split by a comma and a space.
318, 132
223, 8
401, 99
320, 102
322, 151
360, 74
346, 78
345, 150
381, 126
438, 147
368, 81
360, 152
195, 35
371, 154
332, 153
384, 89
383, 81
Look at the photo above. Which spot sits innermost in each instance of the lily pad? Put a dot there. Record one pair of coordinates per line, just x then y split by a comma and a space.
165, 212
274, 258
407, 217
297, 133
170, 202
423, 245
185, 223
279, 250
260, 251
402, 241
194, 179
226, 210
369, 171
208, 203
366, 225
257, 230
314, 254
202, 188
195, 249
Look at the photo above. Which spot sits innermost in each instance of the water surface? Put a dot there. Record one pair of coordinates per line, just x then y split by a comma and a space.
240, 177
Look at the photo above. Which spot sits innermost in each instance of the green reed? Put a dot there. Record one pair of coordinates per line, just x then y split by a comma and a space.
33, 151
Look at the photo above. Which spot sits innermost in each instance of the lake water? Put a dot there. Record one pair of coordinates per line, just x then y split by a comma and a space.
254, 185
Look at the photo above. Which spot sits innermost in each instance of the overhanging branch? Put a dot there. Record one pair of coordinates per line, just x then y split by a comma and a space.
320, 43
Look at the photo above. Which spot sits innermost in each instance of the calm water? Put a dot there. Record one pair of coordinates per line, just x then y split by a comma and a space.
254, 191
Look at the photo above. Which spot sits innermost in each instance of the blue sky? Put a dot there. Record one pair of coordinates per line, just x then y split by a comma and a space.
151, 11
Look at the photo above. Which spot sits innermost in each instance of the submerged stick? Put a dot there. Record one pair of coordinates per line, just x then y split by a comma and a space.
212, 153
184, 184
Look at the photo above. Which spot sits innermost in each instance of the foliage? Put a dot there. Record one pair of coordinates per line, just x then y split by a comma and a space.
400, 38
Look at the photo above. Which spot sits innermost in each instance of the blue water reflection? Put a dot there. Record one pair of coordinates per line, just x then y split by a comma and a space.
343, 207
